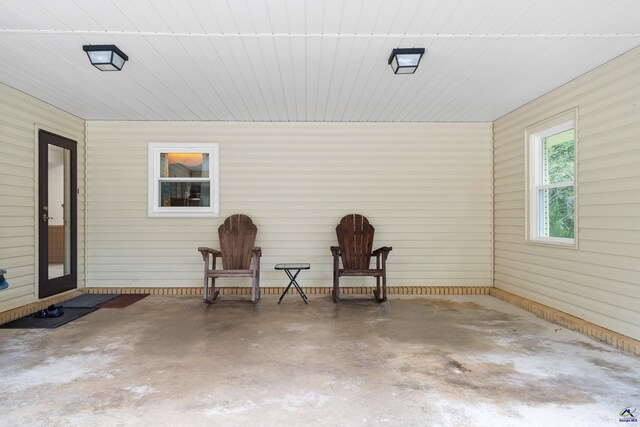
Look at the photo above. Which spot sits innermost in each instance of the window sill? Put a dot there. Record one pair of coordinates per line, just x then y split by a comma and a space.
571, 244
175, 214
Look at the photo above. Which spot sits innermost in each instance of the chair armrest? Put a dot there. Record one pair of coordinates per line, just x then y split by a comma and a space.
382, 250
257, 251
205, 250
335, 250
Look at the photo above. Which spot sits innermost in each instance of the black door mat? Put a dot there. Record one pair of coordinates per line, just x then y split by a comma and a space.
87, 300
122, 301
32, 322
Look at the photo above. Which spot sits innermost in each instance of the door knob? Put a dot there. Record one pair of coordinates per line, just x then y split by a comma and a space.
45, 214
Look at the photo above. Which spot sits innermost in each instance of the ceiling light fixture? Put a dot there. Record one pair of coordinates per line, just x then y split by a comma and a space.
405, 61
106, 57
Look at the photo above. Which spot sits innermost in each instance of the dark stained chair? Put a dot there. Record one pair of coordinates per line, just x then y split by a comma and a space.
355, 240
239, 257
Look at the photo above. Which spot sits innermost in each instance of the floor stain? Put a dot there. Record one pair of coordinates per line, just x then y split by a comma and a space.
419, 361
457, 365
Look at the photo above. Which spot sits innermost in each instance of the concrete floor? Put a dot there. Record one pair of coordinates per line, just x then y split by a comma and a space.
411, 361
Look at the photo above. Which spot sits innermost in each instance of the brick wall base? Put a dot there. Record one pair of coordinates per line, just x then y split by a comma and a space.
309, 290
622, 342
25, 310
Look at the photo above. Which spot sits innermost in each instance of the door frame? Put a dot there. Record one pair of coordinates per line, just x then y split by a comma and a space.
48, 287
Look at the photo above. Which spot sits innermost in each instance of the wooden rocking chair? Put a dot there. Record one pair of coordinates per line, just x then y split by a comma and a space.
239, 257
355, 240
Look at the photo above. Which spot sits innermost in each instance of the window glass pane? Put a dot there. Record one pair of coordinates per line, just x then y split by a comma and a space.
185, 194
556, 212
557, 157
184, 165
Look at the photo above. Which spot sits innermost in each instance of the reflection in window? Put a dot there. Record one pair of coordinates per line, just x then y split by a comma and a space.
181, 165
184, 193
184, 179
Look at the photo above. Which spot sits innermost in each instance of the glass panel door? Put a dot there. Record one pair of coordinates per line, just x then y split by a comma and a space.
57, 214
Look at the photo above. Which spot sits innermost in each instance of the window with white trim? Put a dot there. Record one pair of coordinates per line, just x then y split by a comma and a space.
183, 179
552, 180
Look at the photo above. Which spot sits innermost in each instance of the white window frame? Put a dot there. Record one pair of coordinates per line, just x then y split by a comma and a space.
155, 150
533, 138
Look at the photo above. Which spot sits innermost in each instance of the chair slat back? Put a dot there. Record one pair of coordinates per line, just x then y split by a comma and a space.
355, 238
237, 238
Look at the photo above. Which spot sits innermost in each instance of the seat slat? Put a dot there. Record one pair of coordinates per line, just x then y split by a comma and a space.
230, 273
368, 272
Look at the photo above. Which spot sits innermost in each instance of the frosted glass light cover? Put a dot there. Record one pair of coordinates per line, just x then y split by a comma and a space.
100, 57
406, 70
408, 60
118, 61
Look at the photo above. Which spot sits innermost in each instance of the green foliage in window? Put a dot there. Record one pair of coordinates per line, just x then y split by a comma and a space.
558, 163
561, 209
559, 167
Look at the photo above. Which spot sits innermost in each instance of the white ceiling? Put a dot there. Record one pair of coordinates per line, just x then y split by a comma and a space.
307, 60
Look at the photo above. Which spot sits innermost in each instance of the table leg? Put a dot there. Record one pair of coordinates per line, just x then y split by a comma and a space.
297, 286
292, 278
285, 291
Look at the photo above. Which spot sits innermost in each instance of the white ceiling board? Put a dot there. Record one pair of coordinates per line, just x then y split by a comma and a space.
10, 17
307, 60
299, 72
424, 93
259, 16
327, 16
227, 21
55, 84
130, 16
247, 73
274, 84
604, 18
67, 18
314, 17
346, 79
328, 50
313, 45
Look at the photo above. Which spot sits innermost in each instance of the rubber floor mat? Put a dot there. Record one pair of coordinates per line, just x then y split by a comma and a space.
87, 300
122, 301
32, 322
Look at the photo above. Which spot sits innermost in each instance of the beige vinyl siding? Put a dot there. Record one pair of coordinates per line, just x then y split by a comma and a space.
19, 116
425, 187
600, 281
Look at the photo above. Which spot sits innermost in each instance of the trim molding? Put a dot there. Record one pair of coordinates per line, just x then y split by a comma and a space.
598, 333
